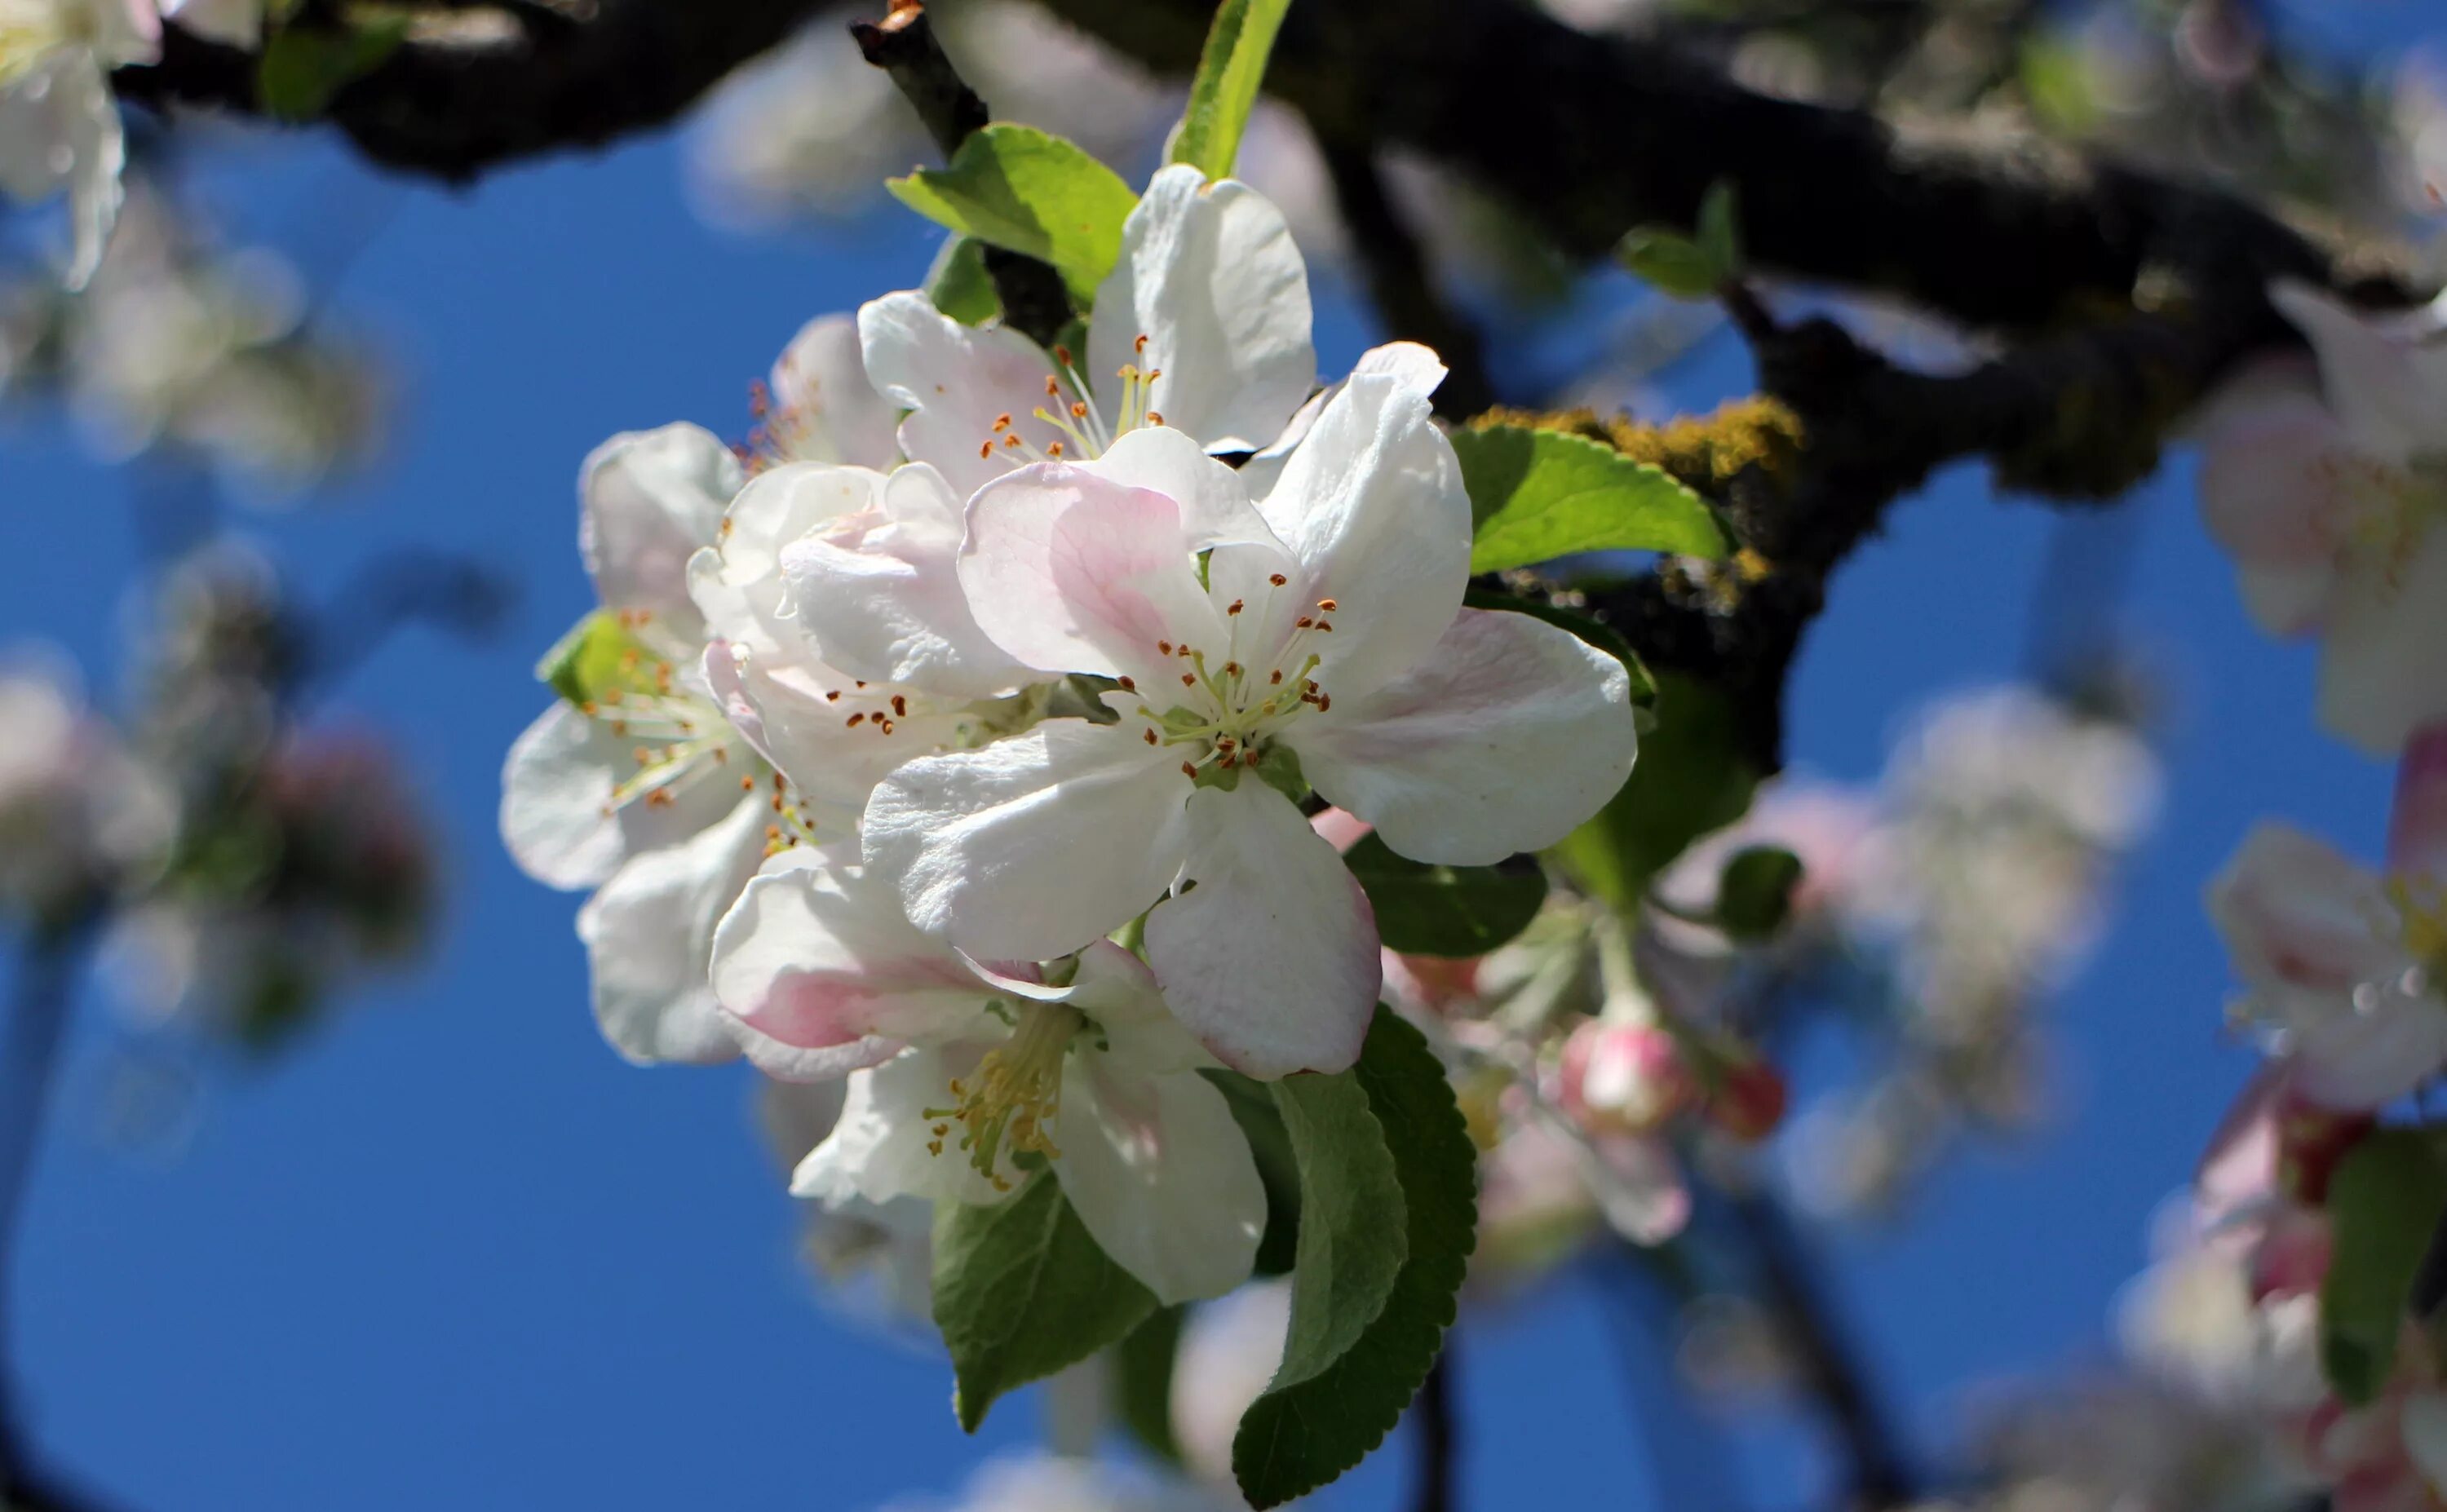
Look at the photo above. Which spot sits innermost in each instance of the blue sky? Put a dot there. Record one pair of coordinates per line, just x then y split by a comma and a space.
453, 1253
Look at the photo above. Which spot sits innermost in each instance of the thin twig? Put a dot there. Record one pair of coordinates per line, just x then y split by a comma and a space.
1880, 1476
903, 44
37, 1025
1400, 281
1440, 1437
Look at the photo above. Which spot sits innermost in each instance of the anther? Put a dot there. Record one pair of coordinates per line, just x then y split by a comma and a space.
1308, 622
856, 720
1150, 735
1128, 686
1062, 355
1155, 417
1231, 668
1078, 409
1275, 678
1164, 648
1325, 627
1276, 578
1328, 605
1053, 448
1233, 608
1052, 389
985, 448
1140, 345
1189, 771
1188, 681
834, 696
900, 706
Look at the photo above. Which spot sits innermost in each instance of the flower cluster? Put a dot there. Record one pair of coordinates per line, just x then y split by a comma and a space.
964, 757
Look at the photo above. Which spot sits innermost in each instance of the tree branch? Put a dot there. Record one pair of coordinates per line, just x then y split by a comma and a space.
1438, 1437
1400, 281
38, 1017
905, 45
477, 85
1880, 1476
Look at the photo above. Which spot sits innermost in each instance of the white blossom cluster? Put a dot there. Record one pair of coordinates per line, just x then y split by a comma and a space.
895, 733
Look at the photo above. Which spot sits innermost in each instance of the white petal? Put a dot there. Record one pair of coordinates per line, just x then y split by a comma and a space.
648, 935
817, 959
2361, 1059
955, 381
824, 409
1208, 274
1271, 959
1119, 991
780, 708
233, 23
2296, 913
1414, 366
2386, 376
1215, 507
1033, 846
1372, 505
878, 1150
885, 604
2423, 1424
738, 585
1070, 570
1509, 735
648, 500
2383, 658
1160, 1174
2287, 600
556, 815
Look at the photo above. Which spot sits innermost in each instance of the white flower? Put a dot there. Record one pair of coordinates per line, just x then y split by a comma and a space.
2340, 965
1202, 326
639, 794
58, 123
1328, 631
77, 810
1093, 1076
819, 407
882, 1253
2330, 511
231, 23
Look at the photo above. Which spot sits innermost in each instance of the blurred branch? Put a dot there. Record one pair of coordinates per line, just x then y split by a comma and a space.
1438, 1437
1879, 1474
38, 1015
1399, 280
400, 588
905, 45
480, 85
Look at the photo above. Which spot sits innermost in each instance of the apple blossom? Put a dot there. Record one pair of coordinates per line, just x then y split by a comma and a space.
637, 793
1005, 1060
1202, 326
1327, 631
2331, 508
819, 406
879, 1251
58, 123
2338, 965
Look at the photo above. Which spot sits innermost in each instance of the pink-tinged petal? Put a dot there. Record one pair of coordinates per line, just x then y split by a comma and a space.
823, 409
648, 500
1271, 958
1215, 507
739, 585
2385, 375
1209, 277
879, 1151
2383, 653
2238, 1172
2416, 826
1160, 1173
1372, 506
955, 381
884, 602
1340, 827
817, 958
2295, 912
1639, 1187
649, 934
2277, 484
1071, 572
797, 1066
1034, 846
1504, 737
823, 732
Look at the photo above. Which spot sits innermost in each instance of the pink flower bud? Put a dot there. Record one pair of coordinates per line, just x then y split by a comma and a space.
1622, 1078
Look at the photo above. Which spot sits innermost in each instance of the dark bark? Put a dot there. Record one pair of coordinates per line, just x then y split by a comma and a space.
1400, 283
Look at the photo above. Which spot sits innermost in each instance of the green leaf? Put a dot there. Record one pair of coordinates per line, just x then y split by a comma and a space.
304, 66
2384, 1201
1669, 262
1015, 186
595, 658
1536, 495
1021, 1291
1224, 89
1262, 1122
1143, 1383
1586, 625
959, 284
1460, 911
1389, 1216
1754, 891
1720, 236
1691, 778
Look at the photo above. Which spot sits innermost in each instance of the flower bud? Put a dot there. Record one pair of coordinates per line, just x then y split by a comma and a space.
1749, 1098
1622, 1078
